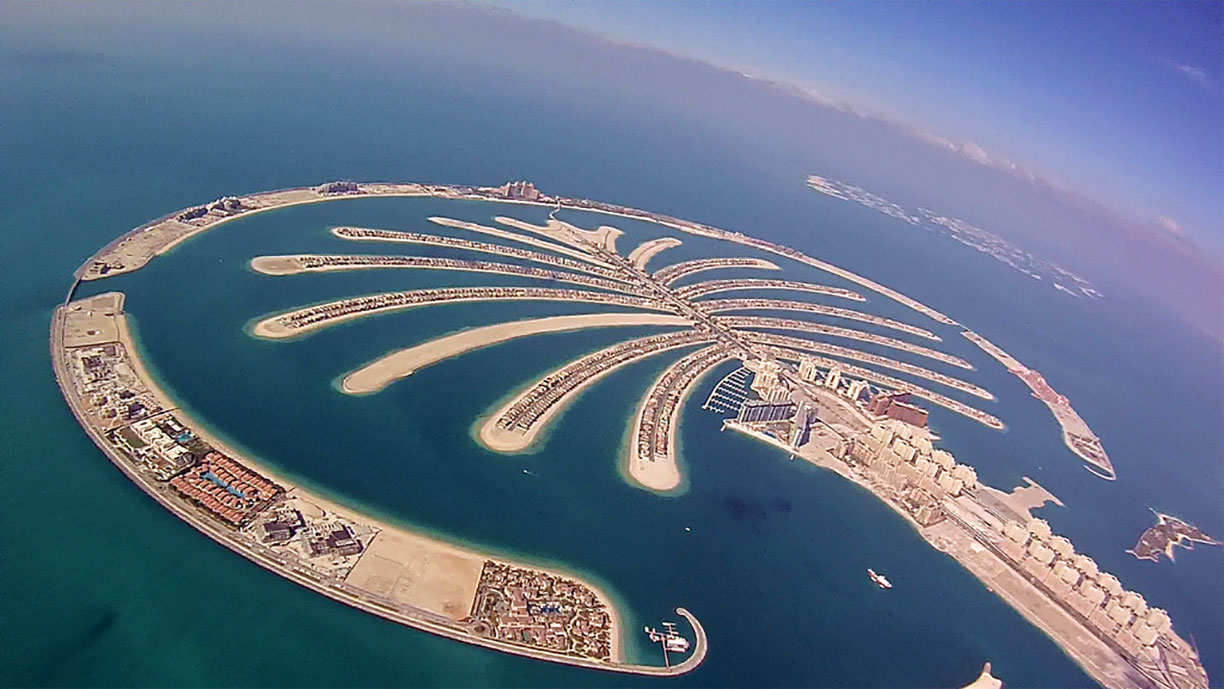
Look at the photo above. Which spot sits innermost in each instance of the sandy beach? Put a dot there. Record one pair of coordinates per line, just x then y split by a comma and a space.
516, 237
510, 441
604, 236
648, 249
138, 256
381, 372
663, 474
271, 327
433, 576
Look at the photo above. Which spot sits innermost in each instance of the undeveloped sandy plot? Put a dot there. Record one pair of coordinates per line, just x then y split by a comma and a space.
420, 572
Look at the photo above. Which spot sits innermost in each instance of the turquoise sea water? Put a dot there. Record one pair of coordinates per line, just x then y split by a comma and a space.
102, 587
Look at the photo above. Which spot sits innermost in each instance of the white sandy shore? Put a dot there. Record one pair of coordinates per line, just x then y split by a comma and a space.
291, 264
271, 328
604, 236
413, 549
648, 249
499, 439
292, 197
381, 372
671, 273
663, 474
985, 680
516, 237
278, 265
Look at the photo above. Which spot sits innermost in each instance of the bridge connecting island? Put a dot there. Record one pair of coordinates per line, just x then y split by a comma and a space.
512, 607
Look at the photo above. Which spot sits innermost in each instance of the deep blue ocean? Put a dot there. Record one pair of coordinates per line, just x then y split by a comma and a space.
101, 587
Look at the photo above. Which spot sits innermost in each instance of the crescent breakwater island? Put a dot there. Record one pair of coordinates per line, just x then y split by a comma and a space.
805, 397
393, 572
1077, 436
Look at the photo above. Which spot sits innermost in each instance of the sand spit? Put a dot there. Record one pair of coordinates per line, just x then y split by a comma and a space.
380, 373
403, 575
1077, 436
985, 680
499, 439
284, 325
515, 237
605, 236
720, 305
328, 263
661, 472
647, 250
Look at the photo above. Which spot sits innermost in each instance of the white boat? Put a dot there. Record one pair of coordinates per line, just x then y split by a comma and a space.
669, 638
879, 579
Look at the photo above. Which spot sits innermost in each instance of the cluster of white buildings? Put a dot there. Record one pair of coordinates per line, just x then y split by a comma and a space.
903, 458
1113, 611
521, 190
853, 389
903, 453
160, 445
767, 380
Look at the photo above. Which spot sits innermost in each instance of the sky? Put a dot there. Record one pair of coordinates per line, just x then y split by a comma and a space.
1089, 134
1122, 102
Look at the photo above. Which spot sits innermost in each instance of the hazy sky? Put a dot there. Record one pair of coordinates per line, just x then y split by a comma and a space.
1120, 101
1110, 114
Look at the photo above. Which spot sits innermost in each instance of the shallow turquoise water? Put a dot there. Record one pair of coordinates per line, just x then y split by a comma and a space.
101, 587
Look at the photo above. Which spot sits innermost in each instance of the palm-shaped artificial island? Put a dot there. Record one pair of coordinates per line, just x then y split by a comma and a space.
805, 385
559, 252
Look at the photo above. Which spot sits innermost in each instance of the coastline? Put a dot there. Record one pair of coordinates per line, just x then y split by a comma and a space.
954, 537
1073, 426
408, 190
305, 576
381, 372
663, 478
1039, 617
508, 442
270, 327
642, 253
